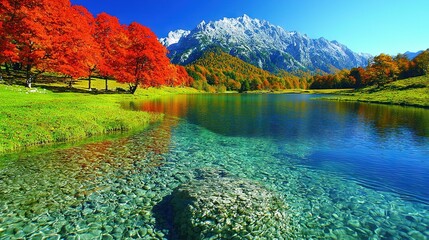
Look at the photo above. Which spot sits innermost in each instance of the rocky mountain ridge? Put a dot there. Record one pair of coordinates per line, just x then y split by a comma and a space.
262, 44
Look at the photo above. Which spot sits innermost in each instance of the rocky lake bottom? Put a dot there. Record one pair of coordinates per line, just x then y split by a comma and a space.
177, 180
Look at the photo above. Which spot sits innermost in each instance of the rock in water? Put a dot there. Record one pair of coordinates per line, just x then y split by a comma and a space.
224, 207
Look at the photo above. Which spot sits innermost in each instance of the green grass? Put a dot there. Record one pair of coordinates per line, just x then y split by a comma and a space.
30, 117
407, 92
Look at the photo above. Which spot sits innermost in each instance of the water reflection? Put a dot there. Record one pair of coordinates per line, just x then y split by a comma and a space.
285, 115
380, 146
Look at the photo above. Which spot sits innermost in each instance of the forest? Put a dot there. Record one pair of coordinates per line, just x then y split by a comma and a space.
45, 36
382, 69
217, 71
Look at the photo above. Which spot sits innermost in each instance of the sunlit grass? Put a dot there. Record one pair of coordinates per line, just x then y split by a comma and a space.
37, 116
409, 92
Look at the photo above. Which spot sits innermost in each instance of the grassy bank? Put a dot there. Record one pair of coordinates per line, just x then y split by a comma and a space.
30, 117
407, 92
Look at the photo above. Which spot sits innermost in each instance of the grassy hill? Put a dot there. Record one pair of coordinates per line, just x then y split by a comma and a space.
409, 92
217, 70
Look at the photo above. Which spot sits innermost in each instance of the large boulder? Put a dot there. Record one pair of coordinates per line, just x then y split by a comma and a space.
218, 206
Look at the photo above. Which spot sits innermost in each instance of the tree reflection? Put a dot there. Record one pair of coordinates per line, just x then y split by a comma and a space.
35, 182
286, 115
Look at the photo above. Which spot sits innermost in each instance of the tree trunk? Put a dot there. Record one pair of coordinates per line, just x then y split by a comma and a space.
29, 81
71, 82
89, 82
29, 78
107, 87
7, 69
133, 88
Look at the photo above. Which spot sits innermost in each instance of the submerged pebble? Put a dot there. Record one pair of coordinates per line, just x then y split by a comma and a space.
354, 223
208, 207
109, 190
417, 235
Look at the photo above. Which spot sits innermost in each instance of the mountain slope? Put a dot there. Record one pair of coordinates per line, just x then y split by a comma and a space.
262, 44
412, 55
222, 70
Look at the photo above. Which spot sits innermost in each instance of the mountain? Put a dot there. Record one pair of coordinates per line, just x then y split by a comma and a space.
174, 37
262, 44
412, 55
221, 70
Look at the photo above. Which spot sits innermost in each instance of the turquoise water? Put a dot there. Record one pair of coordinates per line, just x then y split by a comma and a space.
345, 170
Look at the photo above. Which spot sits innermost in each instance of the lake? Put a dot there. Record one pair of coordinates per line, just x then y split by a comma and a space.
343, 169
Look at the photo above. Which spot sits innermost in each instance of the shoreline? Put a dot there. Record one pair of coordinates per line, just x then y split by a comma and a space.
32, 118
37, 117
412, 92
357, 99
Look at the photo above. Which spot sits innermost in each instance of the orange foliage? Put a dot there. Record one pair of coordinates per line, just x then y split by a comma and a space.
112, 39
381, 70
48, 35
225, 72
178, 76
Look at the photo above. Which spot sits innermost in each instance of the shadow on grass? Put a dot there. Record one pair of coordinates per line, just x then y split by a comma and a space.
66, 89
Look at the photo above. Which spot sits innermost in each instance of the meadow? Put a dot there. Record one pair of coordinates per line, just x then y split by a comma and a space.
406, 92
53, 112
37, 116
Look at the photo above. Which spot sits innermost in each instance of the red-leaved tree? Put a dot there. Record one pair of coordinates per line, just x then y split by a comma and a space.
24, 36
178, 76
93, 51
47, 35
146, 62
73, 45
8, 50
113, 41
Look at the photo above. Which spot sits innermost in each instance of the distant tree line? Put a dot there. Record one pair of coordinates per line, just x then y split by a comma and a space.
381, 70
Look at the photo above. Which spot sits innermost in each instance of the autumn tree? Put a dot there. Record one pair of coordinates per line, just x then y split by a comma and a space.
360, 77
422, 63
24, 36
8, 14
404, 66
146, 62
383, 69
55, 36
93, 51
112, 38
178, 76
73, 45
45, 35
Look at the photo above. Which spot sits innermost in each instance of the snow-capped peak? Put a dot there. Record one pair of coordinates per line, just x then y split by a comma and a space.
262, 44
174, 37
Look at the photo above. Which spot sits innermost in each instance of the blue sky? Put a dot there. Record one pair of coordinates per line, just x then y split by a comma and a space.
371, 26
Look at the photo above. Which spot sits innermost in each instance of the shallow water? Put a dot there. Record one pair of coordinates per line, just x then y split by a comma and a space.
346, 170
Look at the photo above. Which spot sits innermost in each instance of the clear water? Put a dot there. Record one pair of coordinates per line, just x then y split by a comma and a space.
346, 170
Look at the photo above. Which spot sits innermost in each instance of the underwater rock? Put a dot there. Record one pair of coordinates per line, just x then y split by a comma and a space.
106, 237
216, 205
